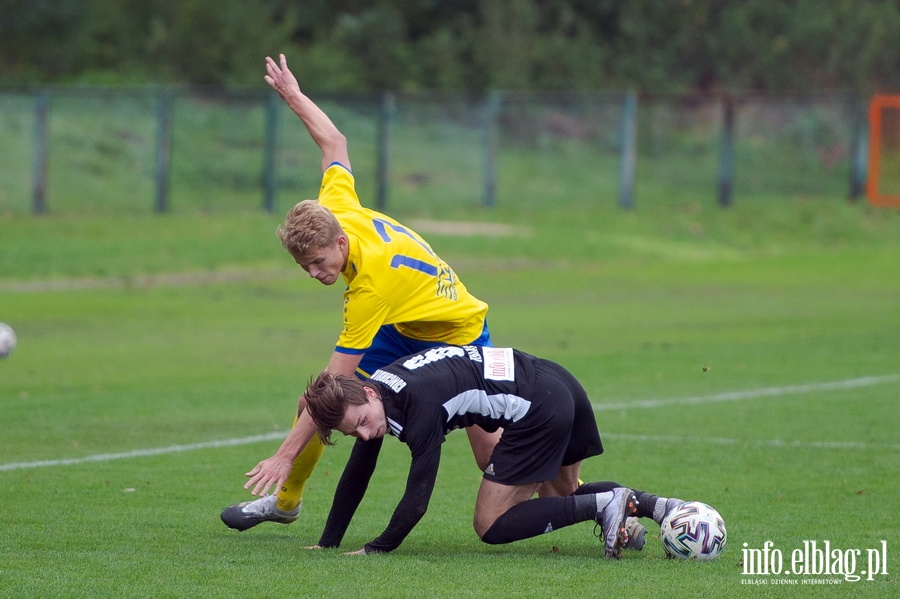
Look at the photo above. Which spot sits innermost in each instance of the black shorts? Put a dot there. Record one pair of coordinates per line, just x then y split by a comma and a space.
559, 430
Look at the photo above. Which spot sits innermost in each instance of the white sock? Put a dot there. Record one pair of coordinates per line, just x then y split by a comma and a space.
603, 500
659, 509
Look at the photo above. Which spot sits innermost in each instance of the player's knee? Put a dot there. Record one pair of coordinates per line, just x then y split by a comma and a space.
482, 527
496, 533
485, 535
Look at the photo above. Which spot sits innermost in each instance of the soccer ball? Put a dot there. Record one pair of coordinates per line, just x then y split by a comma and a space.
693, 530
7, 340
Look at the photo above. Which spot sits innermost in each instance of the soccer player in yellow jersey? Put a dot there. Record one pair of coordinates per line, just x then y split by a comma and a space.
401, 298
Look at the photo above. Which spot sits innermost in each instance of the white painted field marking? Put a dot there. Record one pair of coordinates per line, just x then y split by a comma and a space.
143, 453
756, 442
720, 397
866, 381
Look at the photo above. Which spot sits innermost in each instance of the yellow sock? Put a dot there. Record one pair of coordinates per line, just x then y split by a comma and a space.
291, 492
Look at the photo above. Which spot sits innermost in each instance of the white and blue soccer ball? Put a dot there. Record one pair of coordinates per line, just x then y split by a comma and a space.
7, 340
693, 530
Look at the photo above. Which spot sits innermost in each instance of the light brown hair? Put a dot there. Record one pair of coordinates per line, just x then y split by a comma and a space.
327, 398
307, 228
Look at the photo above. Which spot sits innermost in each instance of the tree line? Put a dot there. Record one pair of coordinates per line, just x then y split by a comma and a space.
459, 45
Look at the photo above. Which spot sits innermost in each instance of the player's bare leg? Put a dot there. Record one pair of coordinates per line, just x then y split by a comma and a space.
483, 444
565, 484
495, 499
505, 513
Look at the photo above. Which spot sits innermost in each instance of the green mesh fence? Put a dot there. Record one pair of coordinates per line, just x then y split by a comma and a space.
426, 153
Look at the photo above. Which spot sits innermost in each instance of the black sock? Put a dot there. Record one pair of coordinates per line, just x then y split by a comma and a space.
538, 516
599, 487
646, 502
651, 506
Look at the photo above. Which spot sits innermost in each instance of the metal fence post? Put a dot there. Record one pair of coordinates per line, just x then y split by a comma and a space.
270, 153
726, 153
163, 148
385, 119
491, 111
629, 151
41, 151
859, 151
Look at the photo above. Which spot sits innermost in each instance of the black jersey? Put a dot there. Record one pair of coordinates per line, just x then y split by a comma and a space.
428, 394
436, 391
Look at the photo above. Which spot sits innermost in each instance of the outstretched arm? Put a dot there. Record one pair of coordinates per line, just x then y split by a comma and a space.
274, 471
329, 139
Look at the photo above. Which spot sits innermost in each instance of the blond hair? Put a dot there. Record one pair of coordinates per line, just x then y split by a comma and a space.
307, 228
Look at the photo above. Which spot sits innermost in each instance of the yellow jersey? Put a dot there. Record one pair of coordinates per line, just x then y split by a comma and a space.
394, 277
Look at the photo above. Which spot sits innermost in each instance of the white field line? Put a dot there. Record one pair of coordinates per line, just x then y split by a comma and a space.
143, 453
866, 381
721, 397
753, 394
755, 442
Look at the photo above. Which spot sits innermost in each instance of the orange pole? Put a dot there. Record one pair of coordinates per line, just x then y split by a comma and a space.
876, 107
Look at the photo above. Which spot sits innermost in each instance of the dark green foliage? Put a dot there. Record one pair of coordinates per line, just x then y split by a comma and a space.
458, 45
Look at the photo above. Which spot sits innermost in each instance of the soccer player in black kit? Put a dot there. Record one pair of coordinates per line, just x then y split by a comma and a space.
548, 429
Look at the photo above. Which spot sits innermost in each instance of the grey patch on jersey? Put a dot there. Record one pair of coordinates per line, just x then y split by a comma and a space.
503, 406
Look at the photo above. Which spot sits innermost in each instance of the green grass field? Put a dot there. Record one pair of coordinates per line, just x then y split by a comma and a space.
747, 358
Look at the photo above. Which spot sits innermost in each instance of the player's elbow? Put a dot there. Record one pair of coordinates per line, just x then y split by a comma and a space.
335, 140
